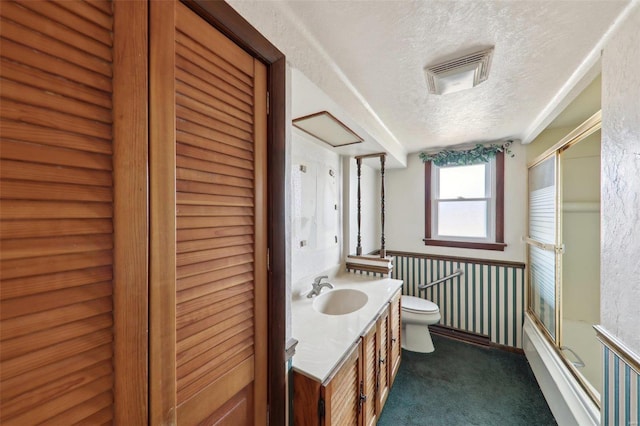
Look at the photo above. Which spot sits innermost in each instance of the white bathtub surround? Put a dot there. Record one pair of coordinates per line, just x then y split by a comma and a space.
324, 339
581, 337
569, 402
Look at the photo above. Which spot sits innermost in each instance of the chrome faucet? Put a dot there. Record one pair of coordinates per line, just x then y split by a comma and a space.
318, 285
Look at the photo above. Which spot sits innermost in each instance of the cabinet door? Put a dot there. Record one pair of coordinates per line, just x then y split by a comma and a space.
395, 352
382, 337
341, 392
369, 375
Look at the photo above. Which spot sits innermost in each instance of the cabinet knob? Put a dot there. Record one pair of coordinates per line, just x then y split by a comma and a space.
381, 360
393, 340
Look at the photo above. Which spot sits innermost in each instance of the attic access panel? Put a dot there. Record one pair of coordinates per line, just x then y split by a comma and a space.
325, 127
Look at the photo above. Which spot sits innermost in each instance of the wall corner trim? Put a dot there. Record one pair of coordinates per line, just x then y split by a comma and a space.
612, 342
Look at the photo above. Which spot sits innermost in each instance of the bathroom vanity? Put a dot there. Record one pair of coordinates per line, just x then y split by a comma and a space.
345, 364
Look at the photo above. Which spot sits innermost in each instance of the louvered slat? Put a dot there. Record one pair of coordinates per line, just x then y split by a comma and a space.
80, 147
201, 161
205, 132
235, 288
50, 46
218, 367
75, 380
56, 187
50, 63
26, 17
232, 152
229, 99
57, 85
26, 324
235, 324
224, 69
55, 375
201, 284
44, 283
213, 265
189, 324
202, 98
234, 336
54, 299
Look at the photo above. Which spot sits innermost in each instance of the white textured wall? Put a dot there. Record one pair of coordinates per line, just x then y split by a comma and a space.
318, 255
620, 262
405, 210
276, 21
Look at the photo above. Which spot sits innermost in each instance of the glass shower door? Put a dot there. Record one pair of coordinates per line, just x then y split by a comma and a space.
542, 243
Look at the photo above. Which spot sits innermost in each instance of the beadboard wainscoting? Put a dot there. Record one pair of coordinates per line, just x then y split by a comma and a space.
620, 398
488, 298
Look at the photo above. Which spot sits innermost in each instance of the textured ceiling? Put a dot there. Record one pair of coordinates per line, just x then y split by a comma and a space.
368, 58
383, 46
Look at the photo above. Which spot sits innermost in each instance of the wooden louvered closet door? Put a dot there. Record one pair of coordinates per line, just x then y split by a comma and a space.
58, 211
208, 224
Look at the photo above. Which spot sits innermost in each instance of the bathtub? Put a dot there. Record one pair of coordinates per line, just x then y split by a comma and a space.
569, 402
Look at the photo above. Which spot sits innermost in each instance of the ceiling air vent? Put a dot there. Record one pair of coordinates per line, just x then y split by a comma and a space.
460, 73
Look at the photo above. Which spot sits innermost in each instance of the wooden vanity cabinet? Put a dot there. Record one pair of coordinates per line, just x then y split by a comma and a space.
395, 336
337, 401
357, 389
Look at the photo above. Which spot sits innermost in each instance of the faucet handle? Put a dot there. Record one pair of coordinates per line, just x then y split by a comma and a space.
317, 280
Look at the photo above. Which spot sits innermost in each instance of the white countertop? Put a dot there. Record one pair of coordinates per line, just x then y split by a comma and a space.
324, 339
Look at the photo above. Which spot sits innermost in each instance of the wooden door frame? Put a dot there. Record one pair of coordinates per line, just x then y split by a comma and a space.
229, 22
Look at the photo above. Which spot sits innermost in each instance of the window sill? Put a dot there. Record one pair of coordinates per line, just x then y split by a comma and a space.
464, 244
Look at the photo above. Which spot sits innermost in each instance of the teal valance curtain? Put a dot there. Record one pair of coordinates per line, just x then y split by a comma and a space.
479, 154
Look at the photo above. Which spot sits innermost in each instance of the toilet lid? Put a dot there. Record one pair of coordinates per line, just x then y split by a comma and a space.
416, 304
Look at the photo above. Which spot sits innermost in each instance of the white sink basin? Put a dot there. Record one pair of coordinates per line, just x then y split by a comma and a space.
340, 302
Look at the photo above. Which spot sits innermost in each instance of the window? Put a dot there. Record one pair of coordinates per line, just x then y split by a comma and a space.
464, 205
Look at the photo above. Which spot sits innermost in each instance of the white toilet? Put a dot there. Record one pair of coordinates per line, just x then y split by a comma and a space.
417, 314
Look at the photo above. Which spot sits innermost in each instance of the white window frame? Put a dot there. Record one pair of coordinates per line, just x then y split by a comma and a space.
490, 190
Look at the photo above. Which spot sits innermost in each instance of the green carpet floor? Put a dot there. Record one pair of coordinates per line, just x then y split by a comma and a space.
463, 384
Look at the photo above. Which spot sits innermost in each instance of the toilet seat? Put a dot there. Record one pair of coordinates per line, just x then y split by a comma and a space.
417, 305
